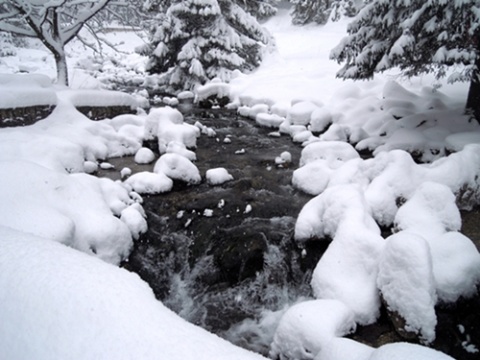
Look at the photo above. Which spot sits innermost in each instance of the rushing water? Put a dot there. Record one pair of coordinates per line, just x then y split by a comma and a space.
234, 269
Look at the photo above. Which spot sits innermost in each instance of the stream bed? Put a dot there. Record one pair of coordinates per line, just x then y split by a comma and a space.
223, 257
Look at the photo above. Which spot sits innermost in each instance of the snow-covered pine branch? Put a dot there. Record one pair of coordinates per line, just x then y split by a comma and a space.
416, 36
199, 40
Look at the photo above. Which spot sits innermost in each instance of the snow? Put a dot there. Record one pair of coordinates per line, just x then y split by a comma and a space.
218, 176
26, 90
177, 167
150, 183
77, 307
308, 326
144, 156
47, 196
406, 282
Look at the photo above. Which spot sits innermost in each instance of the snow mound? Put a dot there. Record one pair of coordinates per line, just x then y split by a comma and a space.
167, 125
456, 266
331, 151
319, 162
104, 313
178, 167
406, 282
146, 182
218, 176
430, 211
300, 113
347, 271
344, 349
144, 156
404, 351
309, 326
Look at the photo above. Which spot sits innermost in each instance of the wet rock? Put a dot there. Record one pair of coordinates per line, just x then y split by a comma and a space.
239, 253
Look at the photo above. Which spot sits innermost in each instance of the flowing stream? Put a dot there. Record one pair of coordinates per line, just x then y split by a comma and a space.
223, 257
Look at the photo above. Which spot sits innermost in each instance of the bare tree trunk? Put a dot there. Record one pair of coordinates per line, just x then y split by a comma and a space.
62, 69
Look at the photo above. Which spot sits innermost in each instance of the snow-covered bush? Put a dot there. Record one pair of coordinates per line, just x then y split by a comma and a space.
199, 40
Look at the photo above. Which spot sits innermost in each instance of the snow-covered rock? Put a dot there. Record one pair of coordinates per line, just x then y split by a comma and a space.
178, 167
150, 183
218, 176
309, 326
406, 282
144, 156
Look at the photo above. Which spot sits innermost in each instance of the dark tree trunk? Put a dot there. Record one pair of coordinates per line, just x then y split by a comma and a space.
473, 100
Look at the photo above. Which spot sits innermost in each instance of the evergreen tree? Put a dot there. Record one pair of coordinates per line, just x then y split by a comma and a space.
198, 40
261, 9
319, 11
7, 47
418, 36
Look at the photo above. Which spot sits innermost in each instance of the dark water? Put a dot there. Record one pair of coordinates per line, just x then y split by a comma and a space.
223, 257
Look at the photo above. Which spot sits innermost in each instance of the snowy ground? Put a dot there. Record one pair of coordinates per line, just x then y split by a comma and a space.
58, 303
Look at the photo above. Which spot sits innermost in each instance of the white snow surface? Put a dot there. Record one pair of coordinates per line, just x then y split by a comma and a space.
218, 176
73, 306
406, 282
308, 326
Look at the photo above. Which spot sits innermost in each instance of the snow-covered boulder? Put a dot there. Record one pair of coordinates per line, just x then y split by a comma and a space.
309, 326
300, 113
403, 351
406, 282
218, 176
269, 120
178, 167
347, 271
144, 156
320, 119
150, 183
331, 151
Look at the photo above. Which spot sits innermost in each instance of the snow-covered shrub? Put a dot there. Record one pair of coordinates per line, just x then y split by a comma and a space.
198, 40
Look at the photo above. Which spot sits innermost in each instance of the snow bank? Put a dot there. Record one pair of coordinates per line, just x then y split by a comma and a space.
309, 326
73, 306
77, 210
101, 98
26, 90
